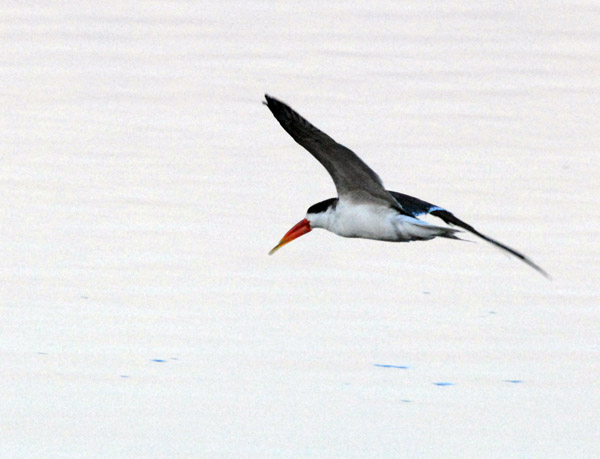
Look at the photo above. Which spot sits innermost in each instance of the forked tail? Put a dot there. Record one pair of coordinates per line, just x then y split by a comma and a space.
413, 229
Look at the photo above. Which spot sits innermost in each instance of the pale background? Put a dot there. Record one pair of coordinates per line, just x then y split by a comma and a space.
143, 184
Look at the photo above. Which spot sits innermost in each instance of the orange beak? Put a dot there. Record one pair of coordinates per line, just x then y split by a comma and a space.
298, 230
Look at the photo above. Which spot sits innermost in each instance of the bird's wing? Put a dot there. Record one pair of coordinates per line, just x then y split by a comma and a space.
416, 207
353, 179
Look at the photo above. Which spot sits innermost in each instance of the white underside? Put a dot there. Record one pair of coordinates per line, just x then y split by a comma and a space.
375, 222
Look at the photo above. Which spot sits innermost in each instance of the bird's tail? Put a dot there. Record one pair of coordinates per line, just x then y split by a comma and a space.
412, 229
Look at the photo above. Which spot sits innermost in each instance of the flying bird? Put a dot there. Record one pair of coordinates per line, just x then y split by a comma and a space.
364, 208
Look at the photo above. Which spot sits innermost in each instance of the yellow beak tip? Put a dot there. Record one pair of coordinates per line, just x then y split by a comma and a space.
275, 249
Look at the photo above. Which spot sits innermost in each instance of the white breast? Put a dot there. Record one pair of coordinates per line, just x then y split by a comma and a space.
374, 222
365, 221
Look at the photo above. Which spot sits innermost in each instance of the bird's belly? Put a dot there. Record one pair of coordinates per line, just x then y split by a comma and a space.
382, 224
367, 223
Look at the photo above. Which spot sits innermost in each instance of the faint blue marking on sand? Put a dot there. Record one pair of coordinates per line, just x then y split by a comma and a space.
514, 381
443, 384
382, 365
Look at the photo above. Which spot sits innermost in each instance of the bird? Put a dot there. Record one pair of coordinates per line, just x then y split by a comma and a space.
364, 208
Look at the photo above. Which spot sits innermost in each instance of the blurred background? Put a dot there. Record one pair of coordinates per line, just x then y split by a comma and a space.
143, 184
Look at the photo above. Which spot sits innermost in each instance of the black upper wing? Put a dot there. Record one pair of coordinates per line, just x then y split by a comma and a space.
352, 177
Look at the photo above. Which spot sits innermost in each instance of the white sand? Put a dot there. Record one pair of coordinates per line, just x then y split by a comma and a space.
143, 184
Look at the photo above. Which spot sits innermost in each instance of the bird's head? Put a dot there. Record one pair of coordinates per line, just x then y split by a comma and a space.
317, 216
